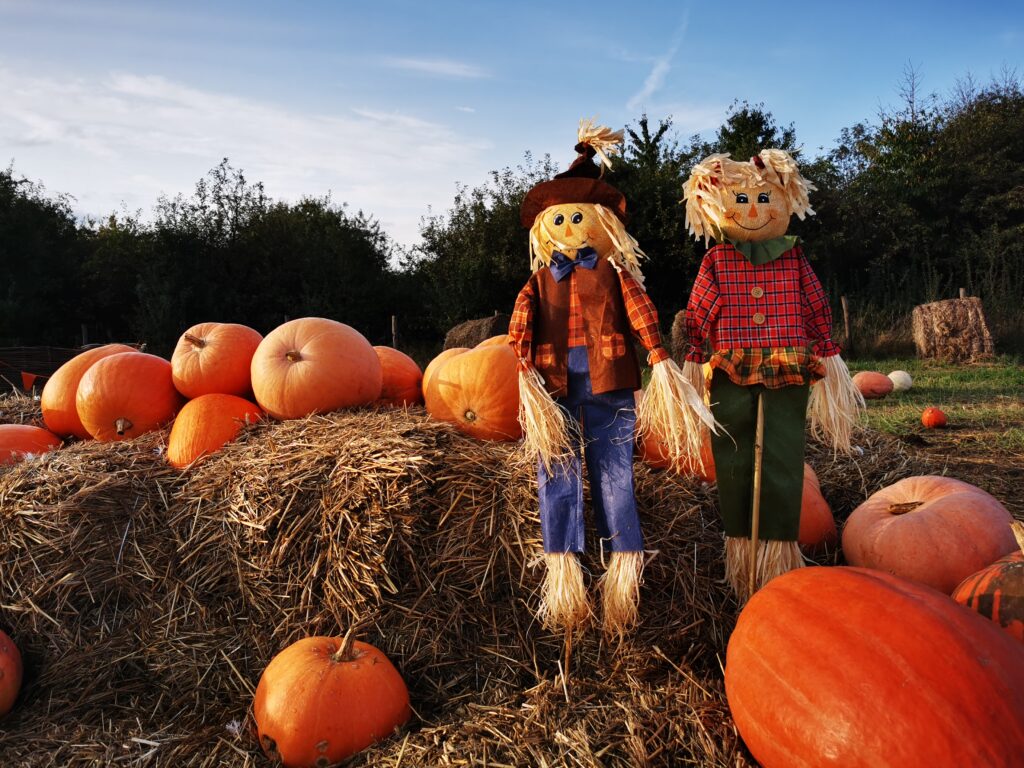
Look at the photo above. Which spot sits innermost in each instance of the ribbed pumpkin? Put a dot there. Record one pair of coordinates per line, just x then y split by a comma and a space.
834, 666
319, 702
205, 424
19, 440
402, 380
10, 673
933, 418
125, 395
997, 592
314, 365
872, 385
214, 358
60, 413
818, 533
478, 392
434, 365
930, 529
494, 341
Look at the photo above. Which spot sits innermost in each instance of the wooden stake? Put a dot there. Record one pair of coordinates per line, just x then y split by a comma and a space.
755, 521
846, 326
963, 293
394, 331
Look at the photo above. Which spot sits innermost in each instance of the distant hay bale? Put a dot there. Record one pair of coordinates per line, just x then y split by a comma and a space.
953, 330
679, 341
472, 332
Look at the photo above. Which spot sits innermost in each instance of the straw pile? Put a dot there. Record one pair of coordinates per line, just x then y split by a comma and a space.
147, 601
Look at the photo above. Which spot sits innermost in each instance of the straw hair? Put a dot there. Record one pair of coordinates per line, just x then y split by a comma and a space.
835, 405
674, 411
548, 434
564, 606
627, 252
620, 594
774, 558
605, 142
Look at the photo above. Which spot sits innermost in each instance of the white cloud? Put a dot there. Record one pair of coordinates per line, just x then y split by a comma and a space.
129, 138
660, 69
469, 110
438, 67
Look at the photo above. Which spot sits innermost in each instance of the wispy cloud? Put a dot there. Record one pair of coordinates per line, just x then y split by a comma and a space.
660, 68
470, 110
438, 67
129, 138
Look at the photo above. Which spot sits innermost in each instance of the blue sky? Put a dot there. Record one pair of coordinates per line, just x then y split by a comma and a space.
387, 104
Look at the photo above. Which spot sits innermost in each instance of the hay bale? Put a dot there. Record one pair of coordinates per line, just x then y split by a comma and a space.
953, 330
472, 332
678, 342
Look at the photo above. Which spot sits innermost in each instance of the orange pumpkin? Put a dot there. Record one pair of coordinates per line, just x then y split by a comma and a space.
477, 391
872, 385
214, 358
930, 529
834, 666
402, 380
436, 363
60, 413
495, 341
319, 703
818, 533
10, 673
20, 440
125, 395
314, 365
997, 592
205, 424
933, 418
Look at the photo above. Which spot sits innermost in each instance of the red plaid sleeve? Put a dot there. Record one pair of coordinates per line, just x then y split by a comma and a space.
817, 312
702, 308
520, 327
643, 317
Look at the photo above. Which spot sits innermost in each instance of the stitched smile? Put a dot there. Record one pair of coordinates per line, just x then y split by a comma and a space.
751, 229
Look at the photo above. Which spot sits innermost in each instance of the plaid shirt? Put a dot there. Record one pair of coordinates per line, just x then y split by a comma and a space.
643, 319
771, 313
772, 367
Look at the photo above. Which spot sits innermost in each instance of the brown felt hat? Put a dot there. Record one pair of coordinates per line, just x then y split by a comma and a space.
580, 184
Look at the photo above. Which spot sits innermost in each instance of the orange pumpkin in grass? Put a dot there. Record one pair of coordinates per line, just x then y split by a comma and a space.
319, 702
125, 395
60, 413
402, 380
997, 592
872, 385
476, 390
933, 418
205, 424
930, 529
314, 365
10, 673
20, 440
214, 358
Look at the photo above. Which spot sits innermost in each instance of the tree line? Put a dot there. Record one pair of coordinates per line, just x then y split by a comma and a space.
926, 198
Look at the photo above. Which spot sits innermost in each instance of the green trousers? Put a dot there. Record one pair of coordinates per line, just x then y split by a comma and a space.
782, 461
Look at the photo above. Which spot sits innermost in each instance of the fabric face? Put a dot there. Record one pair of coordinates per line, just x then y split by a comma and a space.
755, 213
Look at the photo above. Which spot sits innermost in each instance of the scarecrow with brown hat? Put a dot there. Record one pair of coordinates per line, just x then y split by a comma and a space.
572, 331
768, 320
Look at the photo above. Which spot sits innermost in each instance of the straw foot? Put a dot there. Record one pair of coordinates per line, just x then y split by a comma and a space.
774, 558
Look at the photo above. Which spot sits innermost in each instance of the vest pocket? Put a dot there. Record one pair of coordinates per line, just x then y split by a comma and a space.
613, 346
545, 356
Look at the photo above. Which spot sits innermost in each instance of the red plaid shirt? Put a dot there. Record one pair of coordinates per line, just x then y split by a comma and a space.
741, 306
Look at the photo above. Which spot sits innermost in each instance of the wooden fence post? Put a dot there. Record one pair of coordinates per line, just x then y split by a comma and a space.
963, 293
394, 331
846, 326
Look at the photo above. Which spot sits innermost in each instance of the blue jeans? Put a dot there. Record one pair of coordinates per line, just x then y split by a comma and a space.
607, 422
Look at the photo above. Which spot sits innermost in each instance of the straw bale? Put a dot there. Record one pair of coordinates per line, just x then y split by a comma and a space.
19, 408
678, 340
953, 330
472, 332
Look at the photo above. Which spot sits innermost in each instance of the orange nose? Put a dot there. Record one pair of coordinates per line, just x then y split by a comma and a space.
752, 213
568, 230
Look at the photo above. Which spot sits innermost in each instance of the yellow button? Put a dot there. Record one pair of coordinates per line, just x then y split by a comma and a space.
758, 319
757, 292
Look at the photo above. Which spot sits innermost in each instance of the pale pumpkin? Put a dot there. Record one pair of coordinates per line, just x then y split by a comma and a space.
20, 440
477, 391
11, 671
214, 358
401, 378
126, 395
205, 424
60, 412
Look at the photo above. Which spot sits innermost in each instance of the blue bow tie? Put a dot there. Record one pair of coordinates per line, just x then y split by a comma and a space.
561, 266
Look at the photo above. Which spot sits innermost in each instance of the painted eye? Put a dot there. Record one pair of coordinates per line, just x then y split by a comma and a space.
763, 198
577, 218
559, 218
741, 197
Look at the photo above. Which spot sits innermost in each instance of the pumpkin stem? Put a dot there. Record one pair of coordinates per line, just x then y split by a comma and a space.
344, 652
902, 509
294, 356
1018, 533
195, 340
122, 425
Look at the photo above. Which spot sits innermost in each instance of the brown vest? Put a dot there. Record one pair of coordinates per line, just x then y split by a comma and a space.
610, 351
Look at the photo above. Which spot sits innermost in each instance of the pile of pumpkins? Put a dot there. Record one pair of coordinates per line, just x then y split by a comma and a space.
876, 386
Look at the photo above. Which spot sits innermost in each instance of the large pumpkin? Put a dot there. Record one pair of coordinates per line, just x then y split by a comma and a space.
205, 424
314, 365
434, 365
10, 673
477, 391
402, 380
818, 533
214, 358
997, 592
930, 529
834, 666
60, 413
872, 385
125, 395
19, 440
318, 703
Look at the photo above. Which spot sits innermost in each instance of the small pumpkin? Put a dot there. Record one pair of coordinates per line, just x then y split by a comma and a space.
60, 412
20, 440
125, 395
818, 533
933, 418
11, 671
872, 385
205, 424
478, 391
997, 592
314, 365
929, 529
901, 381
323, 699
214, 358
402, 380
921, 683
